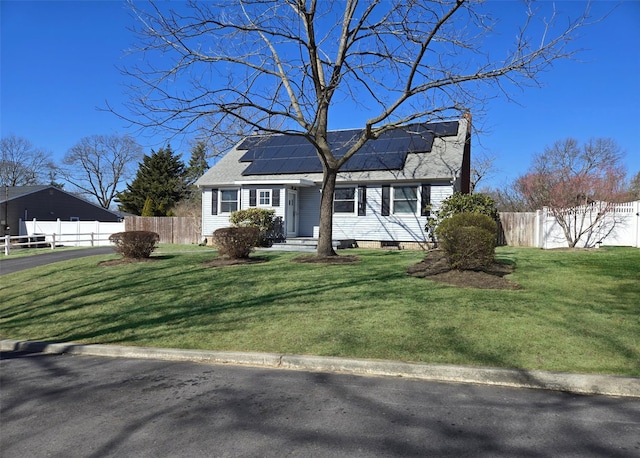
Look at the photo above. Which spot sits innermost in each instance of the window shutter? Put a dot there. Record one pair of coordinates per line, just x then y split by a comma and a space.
252, 197
214, 201
275, 197
386, 200
362, 201
425, 200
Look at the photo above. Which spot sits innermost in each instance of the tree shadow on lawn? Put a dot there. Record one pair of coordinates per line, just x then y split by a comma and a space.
307, 259
176, 310
228, 262
124, 261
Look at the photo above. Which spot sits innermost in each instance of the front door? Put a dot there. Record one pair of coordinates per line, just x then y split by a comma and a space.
292, 213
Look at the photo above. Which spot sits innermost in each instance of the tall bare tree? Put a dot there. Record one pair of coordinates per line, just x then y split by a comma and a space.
507, 198
482, 167
21, 163
579, 184
288, 66
98, 164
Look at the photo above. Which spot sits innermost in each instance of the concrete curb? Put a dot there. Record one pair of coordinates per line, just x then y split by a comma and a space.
573, 383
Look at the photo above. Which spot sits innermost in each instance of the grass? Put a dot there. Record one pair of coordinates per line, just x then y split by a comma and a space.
162, 249
579, 311
24, 252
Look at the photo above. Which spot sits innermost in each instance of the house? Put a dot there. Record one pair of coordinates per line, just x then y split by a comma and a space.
46, 203
383, 194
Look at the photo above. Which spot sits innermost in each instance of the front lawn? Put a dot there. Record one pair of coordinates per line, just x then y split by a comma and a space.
578, 311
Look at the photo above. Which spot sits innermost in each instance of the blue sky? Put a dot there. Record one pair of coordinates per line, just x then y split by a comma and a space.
59, 64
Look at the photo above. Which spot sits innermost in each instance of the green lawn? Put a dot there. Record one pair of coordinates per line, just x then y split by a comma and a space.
578, 311
23, 252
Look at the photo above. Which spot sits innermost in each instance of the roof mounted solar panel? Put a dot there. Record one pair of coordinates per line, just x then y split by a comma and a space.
442, 129
287, 154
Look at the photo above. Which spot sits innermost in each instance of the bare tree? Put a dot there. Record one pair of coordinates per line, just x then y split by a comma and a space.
98, 164
287, 66
482, 167
579, 185
634, 187
507, 198
22, 164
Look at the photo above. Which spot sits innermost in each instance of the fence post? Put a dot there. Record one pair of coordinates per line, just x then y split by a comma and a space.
92, 239
636, 213
7, 242
53, 241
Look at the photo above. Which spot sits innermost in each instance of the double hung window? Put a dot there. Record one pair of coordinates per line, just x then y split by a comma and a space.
228, 200
344, 200
405, 199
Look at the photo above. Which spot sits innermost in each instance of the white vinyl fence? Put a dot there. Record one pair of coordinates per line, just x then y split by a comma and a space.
70, 233
619, 227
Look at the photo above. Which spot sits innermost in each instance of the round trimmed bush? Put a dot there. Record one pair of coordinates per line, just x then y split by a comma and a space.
462, 203
135, 244
262, 218
468, 239
236, 242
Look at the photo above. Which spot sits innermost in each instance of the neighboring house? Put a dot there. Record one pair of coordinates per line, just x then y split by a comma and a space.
46, 203
383, 193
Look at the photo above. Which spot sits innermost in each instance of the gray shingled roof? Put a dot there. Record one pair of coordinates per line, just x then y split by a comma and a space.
13, 192
443, 162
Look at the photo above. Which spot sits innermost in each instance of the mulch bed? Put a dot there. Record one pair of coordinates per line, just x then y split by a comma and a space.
435, 267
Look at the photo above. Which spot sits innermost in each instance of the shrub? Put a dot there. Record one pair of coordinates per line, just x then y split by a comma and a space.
135, 244
468, 239
236, 242
260, 218
463, 203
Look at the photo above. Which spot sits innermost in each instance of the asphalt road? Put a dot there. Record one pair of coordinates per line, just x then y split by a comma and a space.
10, 265
81, 406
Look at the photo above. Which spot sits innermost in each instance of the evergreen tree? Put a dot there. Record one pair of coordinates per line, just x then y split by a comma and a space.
191, 205
197, 163
161, 178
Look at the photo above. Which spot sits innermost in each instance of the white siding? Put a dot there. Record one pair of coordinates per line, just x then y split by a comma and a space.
374, 226
280, 210
212, 222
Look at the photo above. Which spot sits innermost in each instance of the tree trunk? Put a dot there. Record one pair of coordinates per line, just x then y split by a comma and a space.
325, 239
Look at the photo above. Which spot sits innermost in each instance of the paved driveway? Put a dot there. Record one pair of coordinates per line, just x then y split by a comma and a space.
85, 406
9, 265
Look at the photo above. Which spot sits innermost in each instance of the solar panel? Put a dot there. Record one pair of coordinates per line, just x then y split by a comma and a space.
285, 154
442, 129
